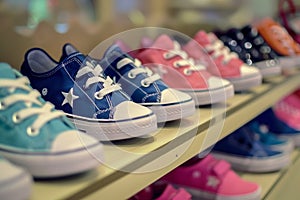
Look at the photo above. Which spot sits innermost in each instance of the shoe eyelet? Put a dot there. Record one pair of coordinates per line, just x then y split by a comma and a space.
96, 95
131, 76
32, 132
176, 64
16, 118
144, 83
2, 105
187, 72
166, 56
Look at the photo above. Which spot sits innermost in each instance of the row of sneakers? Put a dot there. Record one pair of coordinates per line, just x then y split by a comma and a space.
201, 178
265, 44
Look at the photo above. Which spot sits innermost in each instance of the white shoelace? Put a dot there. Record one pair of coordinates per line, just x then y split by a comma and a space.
108, 84
185, 61
45, 112
139, 69
284, 38
218, 48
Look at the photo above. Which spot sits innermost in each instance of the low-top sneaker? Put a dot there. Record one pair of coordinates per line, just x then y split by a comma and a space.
36, 136
210, 178
92, 101
245, 153
15, 182
143, 86
165, 57
226, 64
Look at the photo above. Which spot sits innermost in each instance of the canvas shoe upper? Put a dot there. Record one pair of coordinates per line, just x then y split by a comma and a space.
209, 178
226, 64
143, 86
280, 40
15, 182
37, 137
91, 100
245, 153
165, 57
161, 191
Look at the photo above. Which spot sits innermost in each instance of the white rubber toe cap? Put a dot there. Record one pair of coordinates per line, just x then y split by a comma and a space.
174, 96
129, 110
72, 140
217, 83
249, 71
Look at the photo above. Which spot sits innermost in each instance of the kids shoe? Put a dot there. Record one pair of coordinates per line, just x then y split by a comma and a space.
283, 120
91, 100
15, 183
280, 41
37, 137
165, 57
252, 49
245, 153
269, 139
209, 178
144, 87
161, 191
226, 64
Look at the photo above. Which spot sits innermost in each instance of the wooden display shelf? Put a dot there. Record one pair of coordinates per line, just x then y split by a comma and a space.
133, 164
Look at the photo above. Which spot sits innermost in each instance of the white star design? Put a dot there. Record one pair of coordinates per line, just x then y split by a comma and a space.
160, 70
212, 181
69, 97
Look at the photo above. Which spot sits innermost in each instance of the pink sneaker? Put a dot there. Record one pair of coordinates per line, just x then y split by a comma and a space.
161, 191
212, 179
165, 57
226, 64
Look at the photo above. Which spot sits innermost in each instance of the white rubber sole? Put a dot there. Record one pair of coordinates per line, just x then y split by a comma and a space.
17, 188
258, 165
289, 62
200, 194
50, 165
172, 112
115, 130
211, 96
245, 83
268, 68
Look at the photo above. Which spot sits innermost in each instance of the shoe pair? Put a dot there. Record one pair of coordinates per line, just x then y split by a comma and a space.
208, 178
37, 137
253, 148
110, 99
252, 49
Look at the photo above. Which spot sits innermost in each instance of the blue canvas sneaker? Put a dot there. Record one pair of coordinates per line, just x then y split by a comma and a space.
245, 153
268, 138
15, 182
142, 85
279, 127
36, 136
91, 100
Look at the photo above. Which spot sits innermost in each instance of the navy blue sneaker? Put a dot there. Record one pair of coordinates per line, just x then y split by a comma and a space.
142, 85
279, 127
91, 100
252, 49
245, 153
268, 138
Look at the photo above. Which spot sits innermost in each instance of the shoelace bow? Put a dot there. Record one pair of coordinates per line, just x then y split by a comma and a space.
284, 38
108, 85
184, 61
139, 69
217, 48
45, 112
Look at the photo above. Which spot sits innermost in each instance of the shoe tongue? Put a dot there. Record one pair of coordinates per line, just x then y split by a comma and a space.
113, 50
6, 72
163, 42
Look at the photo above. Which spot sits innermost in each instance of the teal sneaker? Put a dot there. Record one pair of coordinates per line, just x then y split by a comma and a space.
36, 136
15, 182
